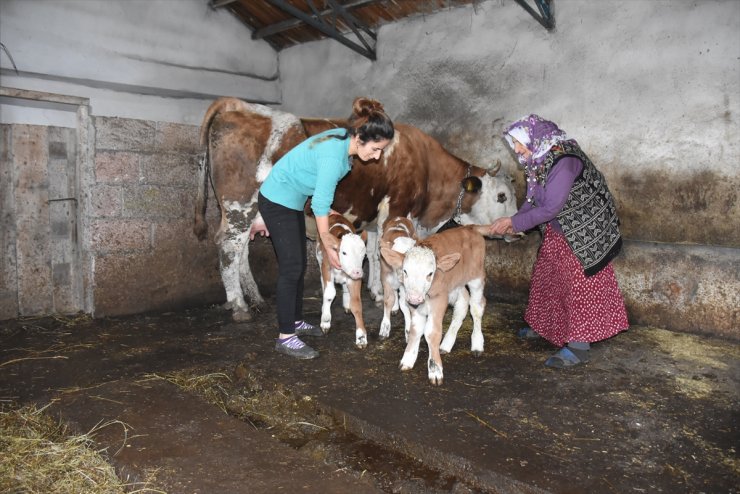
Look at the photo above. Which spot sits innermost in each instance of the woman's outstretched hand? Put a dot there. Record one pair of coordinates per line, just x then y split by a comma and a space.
502, 226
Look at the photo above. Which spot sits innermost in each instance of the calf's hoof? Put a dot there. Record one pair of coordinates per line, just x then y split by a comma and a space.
435, 373
477, 353
435, 380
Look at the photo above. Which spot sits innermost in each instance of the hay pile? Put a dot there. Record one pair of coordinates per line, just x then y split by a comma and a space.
39, 455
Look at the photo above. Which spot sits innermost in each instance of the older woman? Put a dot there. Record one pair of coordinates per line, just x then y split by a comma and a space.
574, 299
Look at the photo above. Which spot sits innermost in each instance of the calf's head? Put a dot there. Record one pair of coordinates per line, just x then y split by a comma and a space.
351, 249
418, 267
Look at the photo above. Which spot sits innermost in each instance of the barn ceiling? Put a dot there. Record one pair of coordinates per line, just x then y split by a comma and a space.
354, 23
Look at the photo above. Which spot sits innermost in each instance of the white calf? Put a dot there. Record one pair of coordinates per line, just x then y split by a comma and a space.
399, 234
351, 249
436, 273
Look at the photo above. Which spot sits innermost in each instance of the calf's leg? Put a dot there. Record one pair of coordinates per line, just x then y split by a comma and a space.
477, 306
355, 304
418, 321
459, 311
329, 292
433, 335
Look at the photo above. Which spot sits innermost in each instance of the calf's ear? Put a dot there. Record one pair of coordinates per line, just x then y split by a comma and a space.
330, 241
393, 258
445, 263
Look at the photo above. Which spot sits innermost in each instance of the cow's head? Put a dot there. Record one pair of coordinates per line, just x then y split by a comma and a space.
497, 199
351, 249
418, 267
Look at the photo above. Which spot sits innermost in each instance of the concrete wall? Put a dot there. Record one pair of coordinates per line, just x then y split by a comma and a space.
651, 89
145, 72
162, 60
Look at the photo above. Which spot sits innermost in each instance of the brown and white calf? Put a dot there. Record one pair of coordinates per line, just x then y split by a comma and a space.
399, 234
436, 272
351, 249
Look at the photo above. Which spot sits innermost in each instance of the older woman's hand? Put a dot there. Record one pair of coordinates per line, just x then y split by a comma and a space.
502, 226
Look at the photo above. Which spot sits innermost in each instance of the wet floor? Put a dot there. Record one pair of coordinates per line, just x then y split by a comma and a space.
654, 411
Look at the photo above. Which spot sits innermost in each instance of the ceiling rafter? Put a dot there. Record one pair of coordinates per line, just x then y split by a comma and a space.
354, 23
544, 16
335, 11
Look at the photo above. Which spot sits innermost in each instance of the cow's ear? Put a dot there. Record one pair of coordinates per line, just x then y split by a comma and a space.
393, 258
445, 263
363, 236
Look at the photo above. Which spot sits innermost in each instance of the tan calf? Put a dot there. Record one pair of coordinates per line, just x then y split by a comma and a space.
439, 271
351, 249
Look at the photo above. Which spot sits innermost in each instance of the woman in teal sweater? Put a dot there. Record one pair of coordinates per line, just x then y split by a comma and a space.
313, 169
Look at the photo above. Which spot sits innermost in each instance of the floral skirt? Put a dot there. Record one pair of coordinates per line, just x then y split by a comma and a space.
564, 304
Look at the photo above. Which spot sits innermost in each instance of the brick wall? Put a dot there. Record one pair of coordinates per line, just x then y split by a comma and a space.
144, 254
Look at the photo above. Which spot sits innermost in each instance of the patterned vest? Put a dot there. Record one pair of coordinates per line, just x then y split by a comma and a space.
589, 217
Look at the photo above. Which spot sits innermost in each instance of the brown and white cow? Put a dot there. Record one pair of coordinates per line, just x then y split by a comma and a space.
416, 175
399, 234
351, 249
437, 272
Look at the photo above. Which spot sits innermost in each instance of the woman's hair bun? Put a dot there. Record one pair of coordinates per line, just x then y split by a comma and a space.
363, 107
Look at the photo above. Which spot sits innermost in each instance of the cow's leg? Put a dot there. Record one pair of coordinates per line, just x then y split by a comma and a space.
418, 321
477, 306
231, 238
355, 304
459, 311
433, 335
389, 301
329, 291
249, 286
374, 283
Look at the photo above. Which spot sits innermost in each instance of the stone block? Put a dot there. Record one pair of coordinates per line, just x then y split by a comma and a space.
170, 169
156, 202
123, 134
113, 167
120, 235
106, 201
177, 138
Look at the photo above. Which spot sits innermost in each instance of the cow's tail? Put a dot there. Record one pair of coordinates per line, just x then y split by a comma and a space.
221, 105
200, 225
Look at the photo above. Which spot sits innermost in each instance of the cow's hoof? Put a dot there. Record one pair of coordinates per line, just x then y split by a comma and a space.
241, 316
477, 353
259, 307
443, 351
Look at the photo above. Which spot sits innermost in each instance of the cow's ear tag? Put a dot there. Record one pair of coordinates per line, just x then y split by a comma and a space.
471, 184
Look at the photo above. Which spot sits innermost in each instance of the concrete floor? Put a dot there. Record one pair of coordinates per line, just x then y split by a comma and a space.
654, 411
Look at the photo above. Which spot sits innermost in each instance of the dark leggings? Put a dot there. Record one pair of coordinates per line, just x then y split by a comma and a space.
287, 229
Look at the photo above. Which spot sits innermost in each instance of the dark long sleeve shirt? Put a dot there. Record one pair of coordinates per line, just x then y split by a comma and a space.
551, 198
